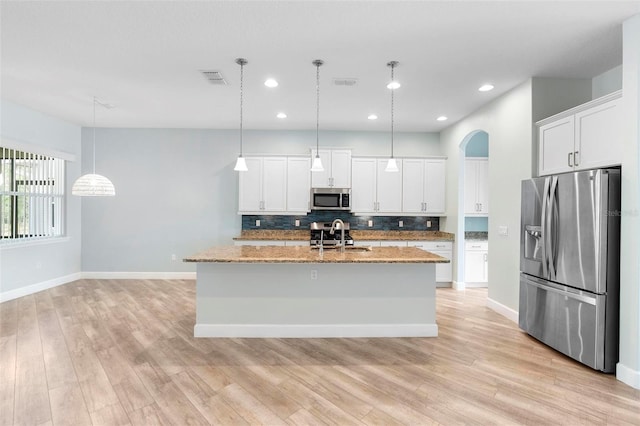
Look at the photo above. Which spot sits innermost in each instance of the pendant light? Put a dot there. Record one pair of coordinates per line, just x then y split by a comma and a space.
241, 164
317, 162
92, 184
392, 166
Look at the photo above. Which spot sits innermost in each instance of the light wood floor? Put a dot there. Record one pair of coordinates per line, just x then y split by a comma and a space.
123, 352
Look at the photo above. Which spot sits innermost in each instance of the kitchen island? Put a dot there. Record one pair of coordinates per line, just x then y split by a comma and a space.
276, 291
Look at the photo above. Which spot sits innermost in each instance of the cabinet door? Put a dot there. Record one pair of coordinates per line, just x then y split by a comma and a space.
250, 186
298, 184
274, 184
474, 266
556, 142
470, 187
340, 168
482, 186
393, 243
434, 185
363, 189
485, 271
321, 179
444, 271
598, 136
389, 188
413, 185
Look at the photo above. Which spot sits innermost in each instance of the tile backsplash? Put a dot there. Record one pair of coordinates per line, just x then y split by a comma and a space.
380, 223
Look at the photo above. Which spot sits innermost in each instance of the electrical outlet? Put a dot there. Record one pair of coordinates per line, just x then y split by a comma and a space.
503, 230
400, 223
257, 222
428, 224
314, 274
38, 265
297, 222
370, 223
173, 257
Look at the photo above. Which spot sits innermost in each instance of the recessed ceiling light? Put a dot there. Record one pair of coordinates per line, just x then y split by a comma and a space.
281, 115
372, 117
442, 118
393, 85
270, 82
485, 87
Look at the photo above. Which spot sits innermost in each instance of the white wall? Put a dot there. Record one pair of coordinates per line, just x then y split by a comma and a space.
176, 191
507, 120
629, 366
607, 82
25, 268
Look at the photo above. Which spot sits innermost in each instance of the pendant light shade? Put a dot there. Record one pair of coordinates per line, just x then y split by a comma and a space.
241, 164
317, 162
392, 166
92, 184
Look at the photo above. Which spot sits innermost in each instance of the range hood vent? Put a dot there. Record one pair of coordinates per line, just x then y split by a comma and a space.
214, 77
345, 81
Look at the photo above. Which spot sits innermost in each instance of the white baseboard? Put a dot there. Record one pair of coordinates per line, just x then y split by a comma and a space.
315, 331
628, 376
503, 310
459, 285
96, 275
35, 288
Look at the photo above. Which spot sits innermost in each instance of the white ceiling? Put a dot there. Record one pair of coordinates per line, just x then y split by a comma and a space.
145, 57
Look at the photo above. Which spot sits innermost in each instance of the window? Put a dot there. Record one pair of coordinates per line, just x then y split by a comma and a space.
31, 195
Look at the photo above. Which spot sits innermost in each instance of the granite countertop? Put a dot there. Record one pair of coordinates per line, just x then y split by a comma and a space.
301, 254
356, 234
476, 236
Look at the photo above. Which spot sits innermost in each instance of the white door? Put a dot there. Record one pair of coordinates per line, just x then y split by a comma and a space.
363, 189
474, 266
483, 186
556, 148
322, 179
340, 168
598, 136
298, 184
250, 186
389, 188
413, 185
434, 186
470, 187
274, 184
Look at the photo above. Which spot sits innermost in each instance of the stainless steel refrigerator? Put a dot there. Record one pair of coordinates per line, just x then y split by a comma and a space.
570, 264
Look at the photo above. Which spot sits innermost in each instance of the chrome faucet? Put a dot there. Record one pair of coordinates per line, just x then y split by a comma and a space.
333, 231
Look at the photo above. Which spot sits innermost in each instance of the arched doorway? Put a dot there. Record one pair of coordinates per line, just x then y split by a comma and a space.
473, 213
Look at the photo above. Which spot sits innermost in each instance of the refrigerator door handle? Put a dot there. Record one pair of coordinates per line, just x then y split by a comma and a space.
543, 223
552, 228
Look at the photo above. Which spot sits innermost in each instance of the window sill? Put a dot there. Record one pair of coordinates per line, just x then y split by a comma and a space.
11, 244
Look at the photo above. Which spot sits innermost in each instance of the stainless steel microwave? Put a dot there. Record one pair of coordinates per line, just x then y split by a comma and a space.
330, 199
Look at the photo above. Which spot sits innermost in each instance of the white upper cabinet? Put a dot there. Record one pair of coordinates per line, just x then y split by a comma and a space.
298, 184
263, 187
337, 169
584, 137
373, 190
423, 186
274, 185
476, 187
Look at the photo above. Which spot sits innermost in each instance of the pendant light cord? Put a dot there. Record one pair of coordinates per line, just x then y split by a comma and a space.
94, 134
392, 90
318, 63
241, 62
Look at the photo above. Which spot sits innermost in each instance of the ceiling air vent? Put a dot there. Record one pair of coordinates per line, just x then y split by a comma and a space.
345, 81
214, 77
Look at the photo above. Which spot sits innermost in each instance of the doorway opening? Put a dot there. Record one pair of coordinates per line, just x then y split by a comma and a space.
473, 211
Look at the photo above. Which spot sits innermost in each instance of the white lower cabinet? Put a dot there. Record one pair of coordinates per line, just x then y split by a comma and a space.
476, 262
444, 271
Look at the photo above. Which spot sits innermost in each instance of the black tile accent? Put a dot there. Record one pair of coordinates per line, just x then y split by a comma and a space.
380, 223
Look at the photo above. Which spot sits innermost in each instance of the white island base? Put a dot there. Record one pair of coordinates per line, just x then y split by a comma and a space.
315, 300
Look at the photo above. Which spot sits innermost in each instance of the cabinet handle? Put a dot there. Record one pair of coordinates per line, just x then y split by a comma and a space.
475, 246
479, 207
569, 159
485, 257
575, 158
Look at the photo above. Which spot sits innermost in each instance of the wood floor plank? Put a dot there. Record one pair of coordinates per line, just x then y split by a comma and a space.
68, 406
123, 351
